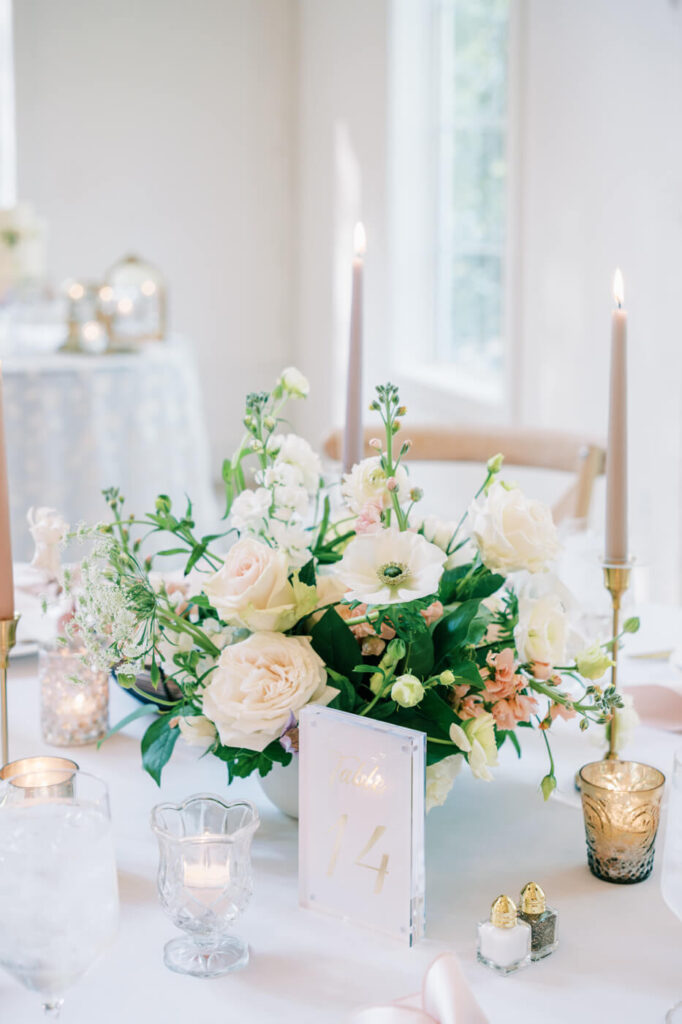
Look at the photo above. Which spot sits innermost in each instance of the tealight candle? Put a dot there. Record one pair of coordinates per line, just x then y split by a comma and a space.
74, 698
206, 880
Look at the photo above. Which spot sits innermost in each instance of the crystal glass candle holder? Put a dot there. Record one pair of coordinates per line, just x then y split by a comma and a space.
204, 880
621, 806
74, 698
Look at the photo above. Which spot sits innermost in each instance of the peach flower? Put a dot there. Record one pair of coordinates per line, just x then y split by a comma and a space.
502, 681
432, 613
561, 711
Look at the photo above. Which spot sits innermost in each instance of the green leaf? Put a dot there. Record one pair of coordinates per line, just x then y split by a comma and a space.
461, 584
307, 573
421, 655
198, 552
144, 709
548, 785
346, 698
227, 475
173, 551
242, 762
155, 674
157, 745
333, 641
508, 734
452, 632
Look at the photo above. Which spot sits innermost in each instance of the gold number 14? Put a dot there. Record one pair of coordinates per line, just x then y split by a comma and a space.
376, 835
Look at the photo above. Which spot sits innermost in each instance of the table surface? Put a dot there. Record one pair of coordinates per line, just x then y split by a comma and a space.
620, 947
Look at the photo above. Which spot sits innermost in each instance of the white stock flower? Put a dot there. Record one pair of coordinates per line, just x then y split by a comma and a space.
170, 644
293, 540
48, 529
250, 509
390, 567
441, 533
252, 588
295, 451
440, 778
367, 482
258, 683
197, 730
542, 631
288, 490
293, 381
513, 532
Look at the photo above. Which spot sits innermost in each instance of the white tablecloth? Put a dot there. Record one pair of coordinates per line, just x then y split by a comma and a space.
76, 424
620, 948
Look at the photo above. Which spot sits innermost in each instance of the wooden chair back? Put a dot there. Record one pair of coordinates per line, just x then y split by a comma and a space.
542, 449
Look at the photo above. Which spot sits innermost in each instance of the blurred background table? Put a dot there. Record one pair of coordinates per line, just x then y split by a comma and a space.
76, 424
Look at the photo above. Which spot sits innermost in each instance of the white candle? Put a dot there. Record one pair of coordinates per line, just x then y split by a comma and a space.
353, 441
206, 880
6, 575
617, 451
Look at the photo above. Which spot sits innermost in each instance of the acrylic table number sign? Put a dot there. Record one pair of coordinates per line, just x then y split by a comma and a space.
361, 821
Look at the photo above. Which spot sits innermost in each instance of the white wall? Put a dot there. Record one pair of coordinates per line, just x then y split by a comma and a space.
167, 128
602, 187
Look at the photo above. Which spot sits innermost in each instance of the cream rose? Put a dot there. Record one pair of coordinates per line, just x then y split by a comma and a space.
252, 588
259, 683
541, 634
513, 532
367, 482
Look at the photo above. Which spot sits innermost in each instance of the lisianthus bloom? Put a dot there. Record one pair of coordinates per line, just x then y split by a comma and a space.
407, 691
197, 730
542, 631
390, 567
513, 532
477, 739
439, 779
593, 662
293, 382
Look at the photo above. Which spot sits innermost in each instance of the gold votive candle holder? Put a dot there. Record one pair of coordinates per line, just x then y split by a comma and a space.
74, 698
37, 776
621, 806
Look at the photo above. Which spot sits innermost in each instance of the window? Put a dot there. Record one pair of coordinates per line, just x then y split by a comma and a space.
472, 46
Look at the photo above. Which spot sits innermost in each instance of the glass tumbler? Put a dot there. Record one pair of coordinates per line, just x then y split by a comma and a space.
204, 880
621, 806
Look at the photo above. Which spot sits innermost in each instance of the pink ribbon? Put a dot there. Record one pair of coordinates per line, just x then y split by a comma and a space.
445, 999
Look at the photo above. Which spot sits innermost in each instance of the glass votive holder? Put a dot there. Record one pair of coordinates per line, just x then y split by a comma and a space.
204, 880
621, 806
74, 698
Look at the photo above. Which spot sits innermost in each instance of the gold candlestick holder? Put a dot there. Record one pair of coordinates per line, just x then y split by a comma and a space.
8, 638
616, 581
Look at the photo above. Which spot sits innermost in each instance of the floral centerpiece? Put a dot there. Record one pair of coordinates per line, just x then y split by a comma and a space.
344, 596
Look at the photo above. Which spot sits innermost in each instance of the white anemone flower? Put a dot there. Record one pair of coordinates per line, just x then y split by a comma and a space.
390, 567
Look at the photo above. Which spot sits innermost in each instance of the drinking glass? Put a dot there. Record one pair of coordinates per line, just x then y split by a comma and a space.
671, 875
58, 886
204, 880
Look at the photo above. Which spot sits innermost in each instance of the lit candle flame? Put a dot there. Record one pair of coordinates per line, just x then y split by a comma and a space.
618, 288
360, 239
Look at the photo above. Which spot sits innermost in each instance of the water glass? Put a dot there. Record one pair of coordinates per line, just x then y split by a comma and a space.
58, 885
204, 880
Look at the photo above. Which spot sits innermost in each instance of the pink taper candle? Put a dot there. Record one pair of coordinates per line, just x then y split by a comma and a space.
617, 452
353, 445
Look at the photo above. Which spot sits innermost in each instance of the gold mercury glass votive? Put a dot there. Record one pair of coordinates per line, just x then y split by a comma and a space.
38, 776
74, 698
621, 807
